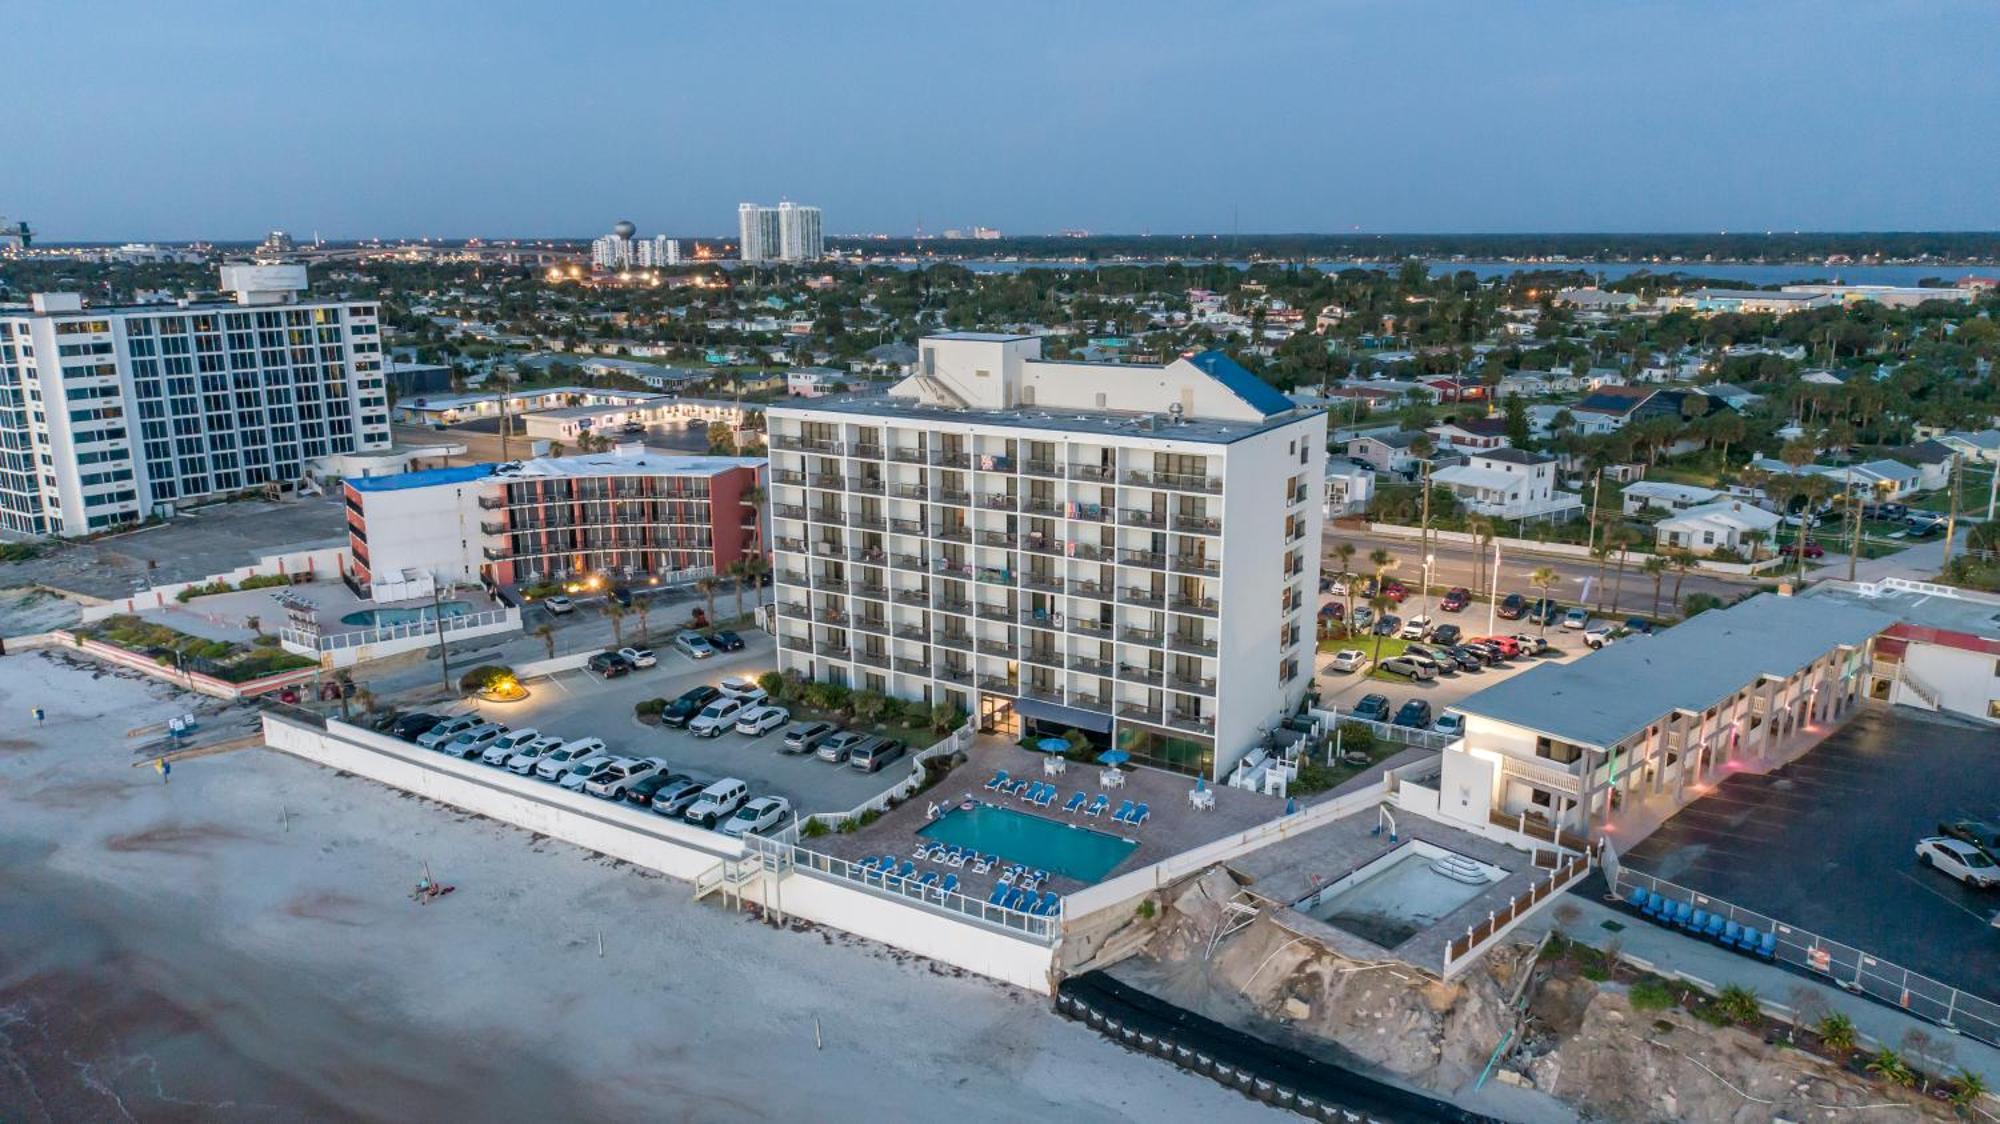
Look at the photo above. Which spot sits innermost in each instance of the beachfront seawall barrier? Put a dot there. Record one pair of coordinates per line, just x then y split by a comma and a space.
673, 848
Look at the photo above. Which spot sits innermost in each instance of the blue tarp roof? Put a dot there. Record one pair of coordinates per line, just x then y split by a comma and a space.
423, 478
1260, 395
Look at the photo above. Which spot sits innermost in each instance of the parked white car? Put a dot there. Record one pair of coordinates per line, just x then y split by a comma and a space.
1348, 659
473, 742
1598, 635
566, 757
559, 605
612, 782
1416, 628
639, 657
757, 815
1576, 618
742, 688
583, 772
757, 721
717, 801
716, 717
524, 761
507, 745
1958, 859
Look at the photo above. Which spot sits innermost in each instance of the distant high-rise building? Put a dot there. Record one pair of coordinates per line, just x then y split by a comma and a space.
622, 249
275, 245
787, 232
799, 235
14, 237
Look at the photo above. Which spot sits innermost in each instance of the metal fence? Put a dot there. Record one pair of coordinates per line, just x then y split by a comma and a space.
1851, 968
1386, 731
780, 857
334, 641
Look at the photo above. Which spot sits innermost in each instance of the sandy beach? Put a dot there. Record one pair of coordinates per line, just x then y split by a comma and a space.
240, 944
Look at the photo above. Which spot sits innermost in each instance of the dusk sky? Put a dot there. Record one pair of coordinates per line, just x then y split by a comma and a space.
223, 120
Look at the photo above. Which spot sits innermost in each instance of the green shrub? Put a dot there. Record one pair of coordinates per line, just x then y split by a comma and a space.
813, 829
210, 589
650, 708
483, 677
775, 685
1356, 737
1650, 994
263, 581
868, 817
1740, 1004
1836, 1033
1146, 909
866, 705
266, 641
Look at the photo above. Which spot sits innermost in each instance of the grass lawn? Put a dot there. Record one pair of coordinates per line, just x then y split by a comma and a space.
1702, 476
1975, 485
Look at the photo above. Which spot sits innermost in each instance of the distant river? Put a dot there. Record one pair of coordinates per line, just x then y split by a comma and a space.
1743, 274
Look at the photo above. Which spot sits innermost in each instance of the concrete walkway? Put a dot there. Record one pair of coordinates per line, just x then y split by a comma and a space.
1674, 954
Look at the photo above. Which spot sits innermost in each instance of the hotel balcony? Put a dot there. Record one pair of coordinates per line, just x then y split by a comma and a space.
1036, 506
1205, 606
490, 529
1090, 553
495, 553
993, 575
877, 625
1133, 673
1089, 626
1052, 469
789, 577
493, 503
908, 527
788, 476
1044, 693
794, 643
1195, 723
945, 459
954, 496
955, 605
990, 612
1180, 481
830, 616
1090, 665
954, 674
833, 651
1195, 564
871, 485
1044, 654
997, 684
788, 510
913, 667
1151, 559
989, 647
827, 584
958, 533
1129, 518
1144, 636
1138, 712
998, 501
917, 596
865, 449
999, 538
866, 521
914, 632
953, 639
1191, 686
910, 491
1092, 472
787, 441
873, 659
905, 454
1047, 583
794, 610
1144, 598
1094, 590
1197, 525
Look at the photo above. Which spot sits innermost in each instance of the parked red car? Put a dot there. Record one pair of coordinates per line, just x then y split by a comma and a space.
1509, 647
1394, 591
1456, 600
1812, 549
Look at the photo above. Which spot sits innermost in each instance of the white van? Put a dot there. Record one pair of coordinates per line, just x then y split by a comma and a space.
717, 801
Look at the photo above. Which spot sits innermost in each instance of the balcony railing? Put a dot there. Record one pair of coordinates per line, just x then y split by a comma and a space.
864, 449
989, 647
995, 576
959, 533
998, 538
998, 501
907, 455
788, 510
954, 569
1129, 518
997, 684
910, 492
1042, 468
833, 651
1195, 564
830, 584
912, 632
995, 612
953, 638
1095, 590
873, 659
795, 643
1152, 559
1143, 597
1146, 636
1041, 618
906, 561
1036, 506
867, 522
785, 441
1090, 553
945, 459
955, 674
1088, 513
495, 553
787, 476
1043, 654
1191, 686
831, 480
1182, 720
1092, 472
1036, 544
1133, 673
830, 616
907, 526
794, 609
953, 496
877, 592
1197, 525
913, 667
1089, 665
954, 605
493, 503
1089, 626
790, 577
1047, 583
872, 485
1139, 713
1205, 606
1037, 691
917, 596
493, 528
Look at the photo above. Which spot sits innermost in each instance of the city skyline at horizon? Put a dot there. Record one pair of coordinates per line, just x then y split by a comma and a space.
1357, 118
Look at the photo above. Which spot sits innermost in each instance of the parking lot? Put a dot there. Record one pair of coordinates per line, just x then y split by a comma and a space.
1344, 689
1827, 843
577, 704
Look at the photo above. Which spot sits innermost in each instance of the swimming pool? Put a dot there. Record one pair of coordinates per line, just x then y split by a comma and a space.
377, 618
1402, 893
1059, 848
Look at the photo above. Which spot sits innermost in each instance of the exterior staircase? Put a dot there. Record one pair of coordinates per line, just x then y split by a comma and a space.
1917, 686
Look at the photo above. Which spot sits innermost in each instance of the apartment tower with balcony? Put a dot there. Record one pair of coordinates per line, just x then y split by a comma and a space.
1042, 544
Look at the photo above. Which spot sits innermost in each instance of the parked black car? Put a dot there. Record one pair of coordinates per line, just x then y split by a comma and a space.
1374, 708
610, 665
682, 710
1512, 606
642, 793
1545, 611
1446, 634
1985, 836
1389, 625
1416, 714
623, 596
726, 641
410, 727
1465, 658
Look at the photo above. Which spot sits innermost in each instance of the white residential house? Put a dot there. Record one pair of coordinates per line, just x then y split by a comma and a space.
1982, 446
1933, 460
812, 382
1387, 452
1471, 434
1508, 484
1723, 525
1349, 487
1659, 495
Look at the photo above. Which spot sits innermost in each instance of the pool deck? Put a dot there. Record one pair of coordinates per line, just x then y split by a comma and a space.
1172, 827
1295, 867
225, 616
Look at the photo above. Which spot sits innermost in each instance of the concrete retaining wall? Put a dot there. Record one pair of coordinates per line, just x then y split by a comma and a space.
976, 948
326, 562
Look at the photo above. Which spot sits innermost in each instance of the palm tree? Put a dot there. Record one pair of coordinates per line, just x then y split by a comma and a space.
547, 633
1482, 531
1544, 578
736, 570
754, 569
706, 587
1379, 605
755, 499
616, 613
1345, 552
1621, 537
1683, 561
1601, 552
1657, 566
640, 607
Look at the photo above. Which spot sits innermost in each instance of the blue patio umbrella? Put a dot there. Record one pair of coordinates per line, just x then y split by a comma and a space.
1291, 806
1052, 745
1113, 757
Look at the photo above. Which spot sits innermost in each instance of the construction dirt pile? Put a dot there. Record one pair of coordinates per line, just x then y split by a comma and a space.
1621, 1064
1567, 1039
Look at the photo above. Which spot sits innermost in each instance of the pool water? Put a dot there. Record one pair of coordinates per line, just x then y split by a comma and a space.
377, 618
1059, 848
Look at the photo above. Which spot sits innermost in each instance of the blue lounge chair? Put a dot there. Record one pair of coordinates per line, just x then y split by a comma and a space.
1730, 932
1019, 899
999, 778
1048, 797
982, 863
1653, 904
1682, 911
1748, 940
1713, 930
866, 866
948, 886
1098, 805
1139, 815
1768, 946
923, 850
1637, 898
1124, 810
1040, 907
905, 872
1051, 901
998, 895
929, 879
1698, 922
1075, 802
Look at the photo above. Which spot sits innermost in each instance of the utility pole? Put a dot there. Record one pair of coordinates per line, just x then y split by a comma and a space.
505, 425
1425, 537
1854, 514
1951, 514
437, 617
1596, 502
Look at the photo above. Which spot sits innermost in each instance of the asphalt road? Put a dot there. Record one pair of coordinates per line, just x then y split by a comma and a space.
1456, 564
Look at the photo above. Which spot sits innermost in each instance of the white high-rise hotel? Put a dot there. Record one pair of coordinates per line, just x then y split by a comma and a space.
786, 232
622, 249
112, 414
1041, 543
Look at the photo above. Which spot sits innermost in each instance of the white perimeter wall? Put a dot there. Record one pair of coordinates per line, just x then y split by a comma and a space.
1966, 682
669, 846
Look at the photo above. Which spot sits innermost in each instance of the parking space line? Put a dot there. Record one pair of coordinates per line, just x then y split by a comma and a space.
1939, 895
